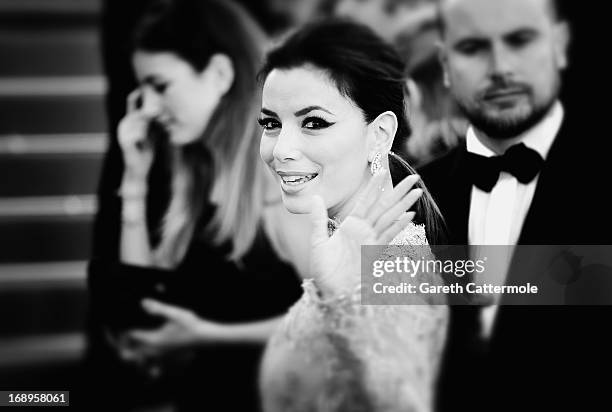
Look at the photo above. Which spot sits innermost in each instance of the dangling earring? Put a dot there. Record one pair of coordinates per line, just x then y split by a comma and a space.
376, 164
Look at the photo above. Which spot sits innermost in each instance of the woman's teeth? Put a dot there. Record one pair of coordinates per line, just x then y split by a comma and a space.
297, 180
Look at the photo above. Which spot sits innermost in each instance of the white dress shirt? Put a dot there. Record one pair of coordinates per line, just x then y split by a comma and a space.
496, 218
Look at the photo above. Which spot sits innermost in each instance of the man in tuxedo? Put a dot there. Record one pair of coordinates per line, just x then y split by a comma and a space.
528, 174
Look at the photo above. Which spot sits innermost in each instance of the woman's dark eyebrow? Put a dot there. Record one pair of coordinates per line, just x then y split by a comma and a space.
151, 79
268, 112
309, 109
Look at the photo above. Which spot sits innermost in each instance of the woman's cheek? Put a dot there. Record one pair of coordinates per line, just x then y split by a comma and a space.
266, 148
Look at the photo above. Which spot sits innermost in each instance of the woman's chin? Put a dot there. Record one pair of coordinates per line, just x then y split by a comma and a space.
298, 206
180, 140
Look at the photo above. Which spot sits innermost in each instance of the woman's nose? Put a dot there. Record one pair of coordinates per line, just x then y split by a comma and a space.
287, 146
151, 103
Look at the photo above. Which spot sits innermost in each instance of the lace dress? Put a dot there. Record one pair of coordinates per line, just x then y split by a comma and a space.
338, 355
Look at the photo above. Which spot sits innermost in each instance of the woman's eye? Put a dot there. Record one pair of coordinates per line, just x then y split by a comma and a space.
268, 124
160, 87
315, 123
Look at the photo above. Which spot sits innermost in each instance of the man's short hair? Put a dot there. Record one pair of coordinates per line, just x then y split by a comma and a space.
555, 6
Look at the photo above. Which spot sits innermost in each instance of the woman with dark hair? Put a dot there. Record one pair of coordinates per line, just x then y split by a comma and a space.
196, 217
332, 110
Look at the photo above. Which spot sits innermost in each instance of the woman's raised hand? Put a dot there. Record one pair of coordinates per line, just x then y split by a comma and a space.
134, 141
376, 219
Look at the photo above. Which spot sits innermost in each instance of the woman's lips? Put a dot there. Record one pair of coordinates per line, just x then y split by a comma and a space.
293, 182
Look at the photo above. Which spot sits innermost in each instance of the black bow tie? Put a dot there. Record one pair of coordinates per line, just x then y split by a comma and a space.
519, 160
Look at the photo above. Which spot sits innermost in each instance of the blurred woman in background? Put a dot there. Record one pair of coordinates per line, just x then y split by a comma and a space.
197, 218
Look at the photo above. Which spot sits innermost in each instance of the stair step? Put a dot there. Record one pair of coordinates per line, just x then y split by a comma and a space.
59, 50
52, 7
52, 274
54, 174
28, 208
50, 362
59, 86
42, 237
42, 298
78, 143
52, 114
45, 349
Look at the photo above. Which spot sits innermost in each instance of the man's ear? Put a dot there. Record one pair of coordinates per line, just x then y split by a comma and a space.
221, 70
562, 40
384, 128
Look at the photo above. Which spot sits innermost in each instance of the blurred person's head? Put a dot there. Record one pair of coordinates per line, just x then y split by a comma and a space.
390, 19
333, 97
295, 13
503, 61
196, 62
410, 25
189, 65
179, 97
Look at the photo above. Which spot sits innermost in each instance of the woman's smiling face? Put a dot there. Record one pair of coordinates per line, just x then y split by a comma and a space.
315, 140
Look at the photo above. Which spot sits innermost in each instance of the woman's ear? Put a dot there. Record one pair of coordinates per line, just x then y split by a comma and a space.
384, 128
221, 70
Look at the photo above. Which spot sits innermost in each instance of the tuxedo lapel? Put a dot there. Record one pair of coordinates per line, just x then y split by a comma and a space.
543, 223
554, 204
545, 206
458, 211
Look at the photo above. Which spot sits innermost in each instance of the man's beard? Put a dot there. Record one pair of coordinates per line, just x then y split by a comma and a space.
507, 127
